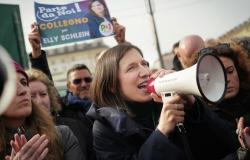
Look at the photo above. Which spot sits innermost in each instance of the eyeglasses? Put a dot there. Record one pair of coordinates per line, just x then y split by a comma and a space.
213, 50
79, 80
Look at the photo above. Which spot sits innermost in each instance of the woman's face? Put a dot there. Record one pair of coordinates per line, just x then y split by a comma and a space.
39, 93
233, 83
20, 106
133, 76
98, 8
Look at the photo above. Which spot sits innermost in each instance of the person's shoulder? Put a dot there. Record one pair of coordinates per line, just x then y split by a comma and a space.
243, 97
70, 144
65, 133
63, 129
104, 130
90, 16
94, 18
245, 92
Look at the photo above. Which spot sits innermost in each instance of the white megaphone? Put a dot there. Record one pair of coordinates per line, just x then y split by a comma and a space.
207, 79
7, 80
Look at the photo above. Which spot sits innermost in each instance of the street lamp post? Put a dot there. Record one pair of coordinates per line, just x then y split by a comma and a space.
151, 12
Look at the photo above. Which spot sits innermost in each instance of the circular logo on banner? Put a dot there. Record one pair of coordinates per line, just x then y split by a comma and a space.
106, 28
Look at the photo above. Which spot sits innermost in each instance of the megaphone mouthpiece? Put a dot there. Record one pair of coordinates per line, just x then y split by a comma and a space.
150, 86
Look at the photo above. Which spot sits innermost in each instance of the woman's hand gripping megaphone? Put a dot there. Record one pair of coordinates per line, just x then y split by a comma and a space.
172, 113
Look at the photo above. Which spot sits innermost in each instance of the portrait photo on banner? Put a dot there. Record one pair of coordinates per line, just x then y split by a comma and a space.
72, 22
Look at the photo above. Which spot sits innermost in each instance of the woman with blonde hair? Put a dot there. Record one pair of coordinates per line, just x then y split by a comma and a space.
43, 91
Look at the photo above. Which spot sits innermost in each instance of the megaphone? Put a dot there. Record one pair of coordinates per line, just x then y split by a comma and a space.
207, 79
7, 80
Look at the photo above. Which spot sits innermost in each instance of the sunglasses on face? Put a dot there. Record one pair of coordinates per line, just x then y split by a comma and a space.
213, 50
79, 80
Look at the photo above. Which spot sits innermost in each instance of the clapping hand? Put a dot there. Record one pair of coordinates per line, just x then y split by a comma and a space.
34, 149
243, 134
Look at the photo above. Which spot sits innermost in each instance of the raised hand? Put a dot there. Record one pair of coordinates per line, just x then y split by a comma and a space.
243, 134
34, 39
119, 31
246, 136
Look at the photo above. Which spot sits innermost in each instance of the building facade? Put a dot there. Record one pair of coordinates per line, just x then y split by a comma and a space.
63, 58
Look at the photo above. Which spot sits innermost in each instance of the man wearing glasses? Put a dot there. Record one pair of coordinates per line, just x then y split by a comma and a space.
77, 102
79, 79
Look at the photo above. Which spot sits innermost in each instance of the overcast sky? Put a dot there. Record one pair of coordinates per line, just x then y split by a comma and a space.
174, 20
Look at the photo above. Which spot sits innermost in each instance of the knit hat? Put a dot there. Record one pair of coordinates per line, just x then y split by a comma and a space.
19, 69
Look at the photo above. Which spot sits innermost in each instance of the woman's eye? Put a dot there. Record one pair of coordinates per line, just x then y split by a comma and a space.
131, 68
24, 82
230, 70
145, 64
44, 94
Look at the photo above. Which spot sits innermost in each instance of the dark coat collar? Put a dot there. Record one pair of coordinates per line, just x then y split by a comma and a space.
119, 121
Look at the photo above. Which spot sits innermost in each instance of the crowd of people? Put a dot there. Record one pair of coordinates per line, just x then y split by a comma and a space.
110, 115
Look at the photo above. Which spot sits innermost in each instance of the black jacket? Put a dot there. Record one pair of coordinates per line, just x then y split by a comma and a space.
41, 64
71, 148
234, 108
117, 136
81, 132
82, 126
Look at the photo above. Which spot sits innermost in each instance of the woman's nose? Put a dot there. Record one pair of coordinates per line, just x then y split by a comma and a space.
37, 99
21, 90
228, 78
144, 71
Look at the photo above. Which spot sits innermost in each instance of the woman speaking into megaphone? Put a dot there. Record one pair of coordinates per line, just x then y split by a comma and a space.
129, 124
